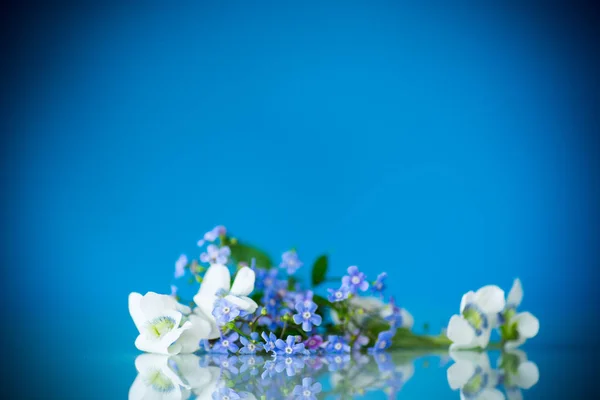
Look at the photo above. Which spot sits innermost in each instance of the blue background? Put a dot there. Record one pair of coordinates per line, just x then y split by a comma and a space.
450, 147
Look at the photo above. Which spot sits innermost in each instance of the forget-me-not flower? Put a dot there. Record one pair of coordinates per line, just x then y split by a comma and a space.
215, 255
307, 390
227, 344
225, 311
379, 285
289, 347
340, 294
180, 264
384, 341
306, 315
270, 340
355, 280
250, 346
290, 261
336, 344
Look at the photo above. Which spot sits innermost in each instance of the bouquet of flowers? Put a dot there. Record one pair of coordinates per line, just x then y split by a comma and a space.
266, 309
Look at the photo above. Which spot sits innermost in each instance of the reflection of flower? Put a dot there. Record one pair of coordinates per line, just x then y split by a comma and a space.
217, 279
158, 318
472, 375
336, 362
517, 373
478, 309
155, 379
307, 390
515, 327
226, 394
291, 364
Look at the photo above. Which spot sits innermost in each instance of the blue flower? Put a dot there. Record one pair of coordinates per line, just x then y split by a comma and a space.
379, 285
360, 340
250, 363
212, 235
289, 347
384, 341
395, 318
290, 261
336, 362
225, 311
291, 365
180, 264
270, 340
227, 344
227, 363
307, 390
340, 294
306, 315
225, 394
215, 255
265, 278
336, 344
355, 280
269, 370
250, 346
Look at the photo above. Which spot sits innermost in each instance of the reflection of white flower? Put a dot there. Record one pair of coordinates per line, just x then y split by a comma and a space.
517, 373
158, 318
374, 306
201, 381
155, 380
473, 326
216, 279
516, 328
472, 375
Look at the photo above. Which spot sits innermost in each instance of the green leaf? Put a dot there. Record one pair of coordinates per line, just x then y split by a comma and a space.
321, 301
319, 271
245, 252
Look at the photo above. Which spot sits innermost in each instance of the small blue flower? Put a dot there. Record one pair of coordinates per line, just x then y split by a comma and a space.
215, 255
336, 362
225, 394
306, 315
340, 294
212, 235
250, 363
265, 278
225, 311
250, 346
227, 344
384, 341
355, 280
180, 264
290, 261
173, 291
395, 318
289, 347
270, 340
336, 344
227, 363
360, 341
379, 285
291, 365
307, 390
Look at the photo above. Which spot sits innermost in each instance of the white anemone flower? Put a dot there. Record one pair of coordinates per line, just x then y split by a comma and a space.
216, 279
156, 380
158, 318
516, 328
472, 375
517, 373
478, 310
374, 306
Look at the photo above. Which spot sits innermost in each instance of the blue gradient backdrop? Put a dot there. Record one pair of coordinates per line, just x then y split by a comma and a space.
450, 147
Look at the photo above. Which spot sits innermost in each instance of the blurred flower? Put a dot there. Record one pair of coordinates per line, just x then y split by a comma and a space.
225, 394
517, 373
250, 363
307, 390
218, 280
180, 264
250, 346
290, 261
355, 280
155, 379
336, 344
292, 365
212, 235
379, 285
173, 291
313, 342
340, 294
472, 328
227, 363
289, 347
384, 341
306, 315
225, 311
472, 375
227, 344
336, 362
265, 278
158, 319
360, 341
215, 255
515, 327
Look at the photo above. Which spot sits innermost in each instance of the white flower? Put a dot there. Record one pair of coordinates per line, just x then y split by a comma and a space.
473, 326
373, 305
216, 279
158, 318
202, 382
515, 327
472, 375
517, 373
156, 380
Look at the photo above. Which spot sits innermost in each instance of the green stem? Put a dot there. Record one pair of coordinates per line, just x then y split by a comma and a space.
285, 324
236, 329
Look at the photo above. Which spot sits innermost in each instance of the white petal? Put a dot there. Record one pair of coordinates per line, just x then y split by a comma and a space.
513, 344
527, 324
243, 303
407, 319
216, 278
205, 392
528, 375
243, 283
490, 299
476, 358
467, 298
190, 339
484, 339
459, 374
514, 394
490, 394
154, 304
151, 364
371, 305
135, 310
515, 296
460, 331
